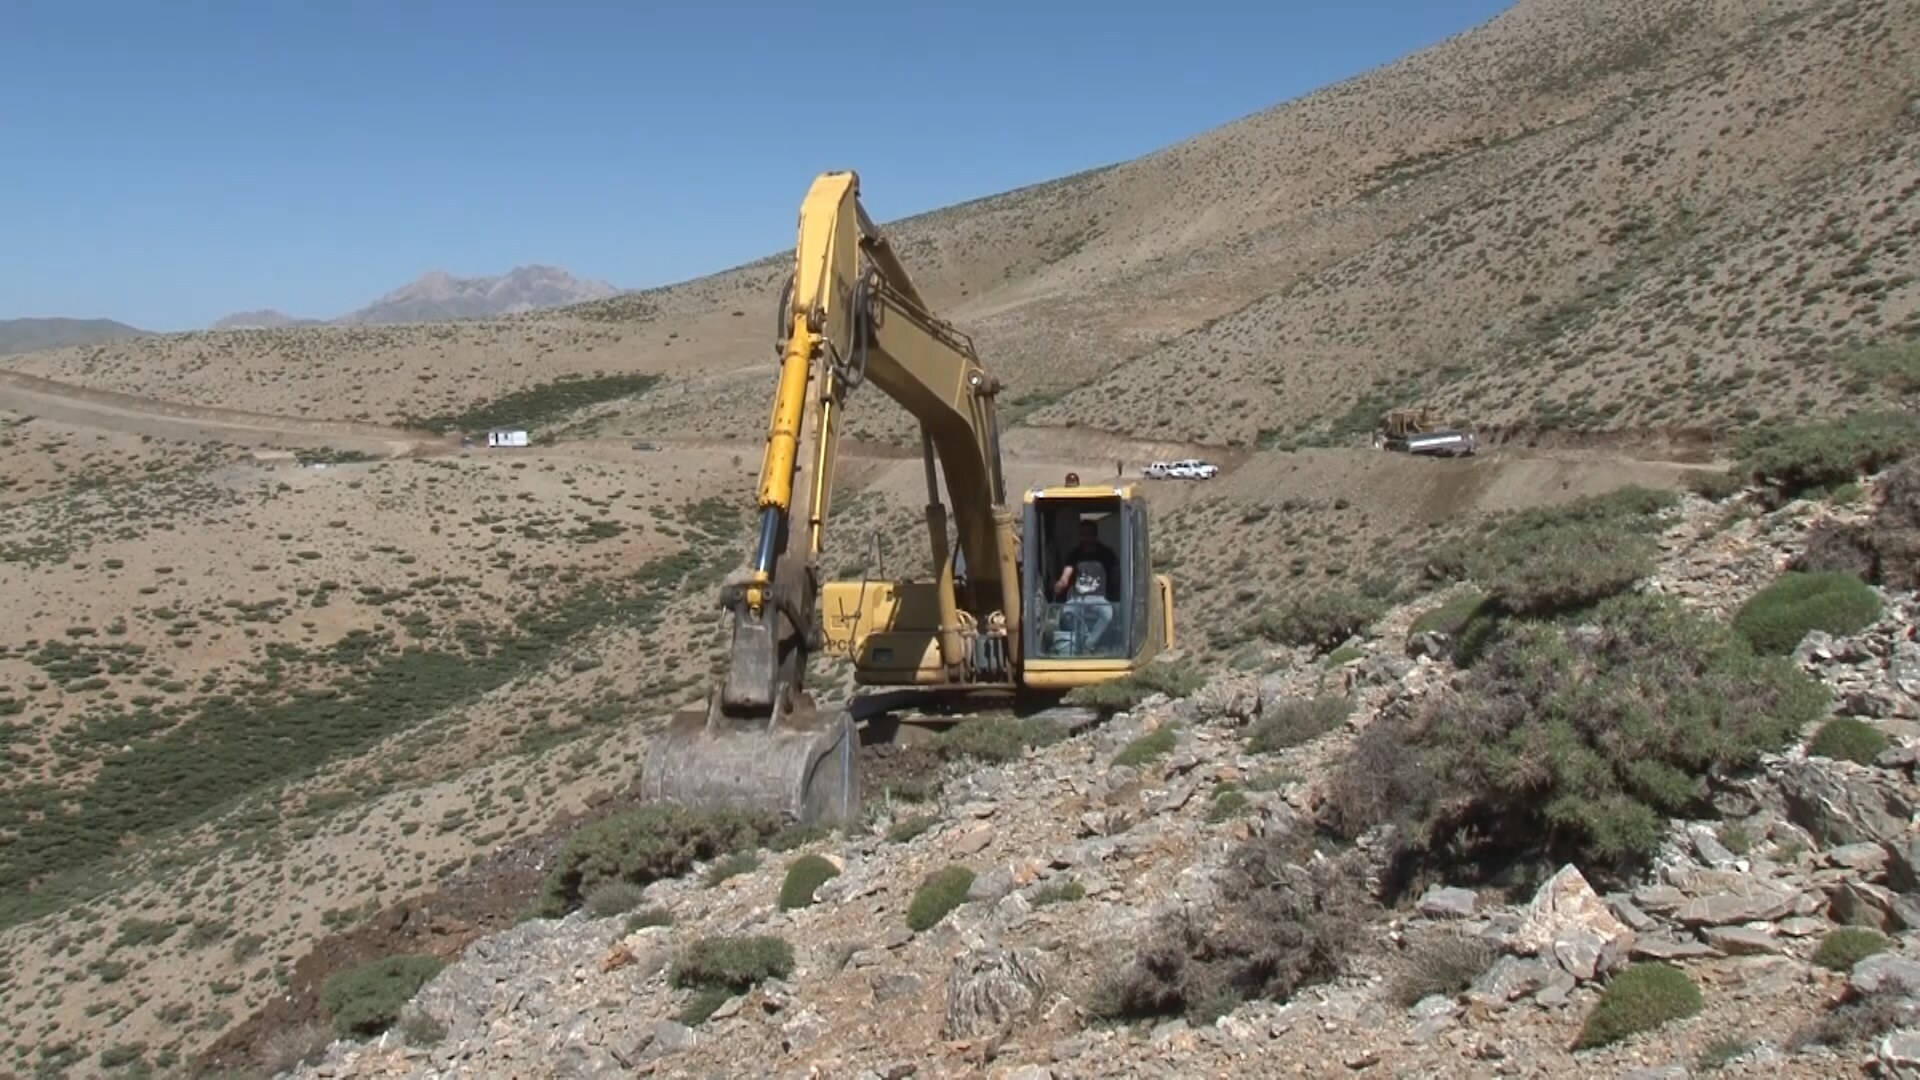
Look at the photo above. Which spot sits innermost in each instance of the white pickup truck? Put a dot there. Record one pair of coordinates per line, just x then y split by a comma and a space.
1184, 469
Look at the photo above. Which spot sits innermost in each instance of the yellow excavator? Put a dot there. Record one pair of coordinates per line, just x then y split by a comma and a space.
1018, 605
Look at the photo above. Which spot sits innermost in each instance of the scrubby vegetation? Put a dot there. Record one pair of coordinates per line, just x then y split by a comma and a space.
717, 968
1320, 620
1445, 964
645, 845
1171, 678
803, 879
1849, 945
939, 894
993, 739
1642, 997
366, 1000
538, 405
1294, 722
1775, 619
1572, 742
1557, 559
1792, 460
1152, 746
1885, 549
1285, 921
1847, 738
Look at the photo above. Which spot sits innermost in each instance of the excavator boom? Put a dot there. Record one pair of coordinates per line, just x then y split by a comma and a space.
849, 316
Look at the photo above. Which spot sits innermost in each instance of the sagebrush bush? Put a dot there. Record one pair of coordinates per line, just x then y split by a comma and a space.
1445, 964
1554, 559
366, 1000
1172, 678
1450, 616
1640, 998
1285, 921
646, 845
1572, 742
1775, 619
804, 877
1847, 738
733, 964
1790, 461
1849, 945
993, 739
1295, 722
1152, 746
614, 898
1318, 620
938, 895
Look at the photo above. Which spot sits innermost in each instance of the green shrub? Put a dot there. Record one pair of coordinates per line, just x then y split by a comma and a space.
1553, 559
1320, 620
366, 1000
1640, 998
727, 866
1896, 365
1297, 722
1847, 738
1152, 746
1176, 680
1227, 804
1776, 618
939, 894
798, 836
908, 828
1793, 460
1570, 743
1445, 964
993, 739
806, 875
1059, 892
1849, 945
649, 917
1449, 617
646, 845
1285, 921
614, 898
1715, 486
717, 968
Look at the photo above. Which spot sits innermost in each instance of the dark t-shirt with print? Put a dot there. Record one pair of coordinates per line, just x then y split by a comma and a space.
1094, 573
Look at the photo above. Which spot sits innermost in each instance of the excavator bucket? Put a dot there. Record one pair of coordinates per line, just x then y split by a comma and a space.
802, 766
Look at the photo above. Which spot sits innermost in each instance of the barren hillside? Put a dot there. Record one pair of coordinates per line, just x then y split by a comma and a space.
1624, 213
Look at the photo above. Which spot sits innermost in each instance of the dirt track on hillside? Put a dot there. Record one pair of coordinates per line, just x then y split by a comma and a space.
31, 395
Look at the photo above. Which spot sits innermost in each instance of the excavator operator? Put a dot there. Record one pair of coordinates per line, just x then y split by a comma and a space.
1088, 582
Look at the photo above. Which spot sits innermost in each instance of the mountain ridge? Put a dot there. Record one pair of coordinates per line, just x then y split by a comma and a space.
439, 296
33, 334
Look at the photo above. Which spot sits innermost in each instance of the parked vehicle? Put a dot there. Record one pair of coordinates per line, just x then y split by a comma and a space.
1193, 469
1184, 469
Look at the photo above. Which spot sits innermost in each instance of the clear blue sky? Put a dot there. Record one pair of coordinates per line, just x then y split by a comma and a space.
167, 162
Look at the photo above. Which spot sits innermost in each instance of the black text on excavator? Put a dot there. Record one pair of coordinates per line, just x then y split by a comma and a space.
992, 616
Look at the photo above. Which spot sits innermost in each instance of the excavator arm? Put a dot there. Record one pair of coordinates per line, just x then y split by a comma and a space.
850, 316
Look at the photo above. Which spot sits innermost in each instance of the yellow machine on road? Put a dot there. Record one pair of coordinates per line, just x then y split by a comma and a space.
1014, 606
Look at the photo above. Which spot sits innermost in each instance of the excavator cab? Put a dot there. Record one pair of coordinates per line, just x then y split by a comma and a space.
1089, 630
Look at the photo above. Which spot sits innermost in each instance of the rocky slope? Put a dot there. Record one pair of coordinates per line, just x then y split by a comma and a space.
1075, 857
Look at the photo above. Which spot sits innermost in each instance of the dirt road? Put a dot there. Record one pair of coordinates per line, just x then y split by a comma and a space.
30, 395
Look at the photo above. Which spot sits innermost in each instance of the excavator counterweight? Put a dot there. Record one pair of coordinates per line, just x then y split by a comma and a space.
995, 612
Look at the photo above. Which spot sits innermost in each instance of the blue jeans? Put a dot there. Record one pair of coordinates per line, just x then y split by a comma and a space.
1091, 615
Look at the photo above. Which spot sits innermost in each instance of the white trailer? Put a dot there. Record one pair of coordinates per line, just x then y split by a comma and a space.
513, 437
